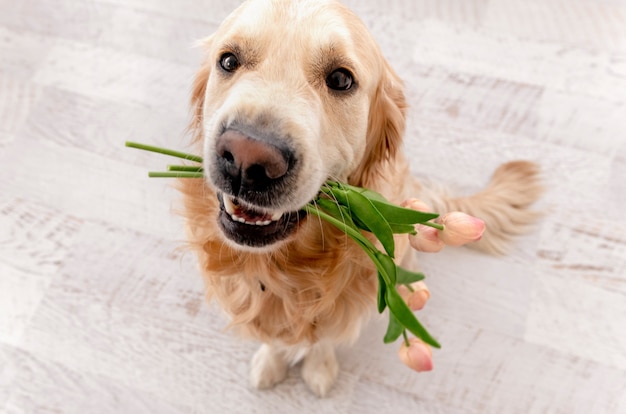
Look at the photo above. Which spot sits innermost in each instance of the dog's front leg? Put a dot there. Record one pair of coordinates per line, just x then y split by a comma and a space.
269, 367
320, 368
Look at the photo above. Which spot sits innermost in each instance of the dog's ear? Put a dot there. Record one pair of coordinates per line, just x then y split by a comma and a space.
385, 128
198, 91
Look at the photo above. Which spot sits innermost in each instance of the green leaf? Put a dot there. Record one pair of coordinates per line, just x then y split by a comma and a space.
336, 192
404, 276
339, 212
382, 303
400, 228
388, 266
394, 329
367, 214
370, 194
402, 312
401, 215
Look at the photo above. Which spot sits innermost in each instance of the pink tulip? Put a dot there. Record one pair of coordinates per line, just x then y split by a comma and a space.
426, 240
417, 355
417, 298
460, 228
415, 204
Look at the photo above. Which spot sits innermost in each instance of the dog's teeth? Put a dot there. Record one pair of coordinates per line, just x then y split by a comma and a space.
229, 206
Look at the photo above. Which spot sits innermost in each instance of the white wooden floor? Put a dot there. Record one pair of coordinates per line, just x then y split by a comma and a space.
100, 313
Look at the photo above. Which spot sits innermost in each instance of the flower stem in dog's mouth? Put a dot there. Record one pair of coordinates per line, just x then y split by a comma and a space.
352, 210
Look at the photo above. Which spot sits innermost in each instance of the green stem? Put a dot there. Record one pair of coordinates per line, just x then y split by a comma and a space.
188, 168
433, 225
175, 174
164, 151
406, 338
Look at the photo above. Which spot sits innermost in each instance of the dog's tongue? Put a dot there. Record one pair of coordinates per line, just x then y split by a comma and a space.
249, 214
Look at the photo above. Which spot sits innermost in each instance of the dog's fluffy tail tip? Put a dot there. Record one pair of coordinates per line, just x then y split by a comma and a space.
505, 204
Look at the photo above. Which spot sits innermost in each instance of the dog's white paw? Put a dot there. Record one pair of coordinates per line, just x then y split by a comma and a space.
320, 369
268, 367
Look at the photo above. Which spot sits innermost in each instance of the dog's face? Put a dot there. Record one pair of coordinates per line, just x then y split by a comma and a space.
292, 93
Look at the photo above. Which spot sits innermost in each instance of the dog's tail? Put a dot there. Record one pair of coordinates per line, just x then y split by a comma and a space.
504, 204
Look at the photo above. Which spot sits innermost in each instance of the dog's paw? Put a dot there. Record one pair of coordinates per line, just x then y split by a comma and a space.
268, 368
320, 369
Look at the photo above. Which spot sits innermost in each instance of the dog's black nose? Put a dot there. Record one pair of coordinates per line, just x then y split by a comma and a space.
252, 163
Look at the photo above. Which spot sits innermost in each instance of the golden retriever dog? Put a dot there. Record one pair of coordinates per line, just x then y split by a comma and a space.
292, 93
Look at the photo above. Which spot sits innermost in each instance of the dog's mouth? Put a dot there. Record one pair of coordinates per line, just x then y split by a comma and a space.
253, 226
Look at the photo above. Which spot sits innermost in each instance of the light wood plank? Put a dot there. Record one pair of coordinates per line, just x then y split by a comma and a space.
7, 375
119, 76
590, 250
615, 191
109, 265
20, 295
578, 318
69, 19
35, 238
567, 119
470, 12
594, 25
368, 398
40, 386
493, 293
16, 102
101, 127
156, 35
207, 10
467, 101
479, 371
501, 55
88, 186
22, 52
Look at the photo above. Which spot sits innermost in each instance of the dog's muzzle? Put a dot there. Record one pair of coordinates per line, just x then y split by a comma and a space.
254, 174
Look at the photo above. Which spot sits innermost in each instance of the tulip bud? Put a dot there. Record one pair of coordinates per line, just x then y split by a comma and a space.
417, 355
417, 298
426, 239
415, 204
460, 228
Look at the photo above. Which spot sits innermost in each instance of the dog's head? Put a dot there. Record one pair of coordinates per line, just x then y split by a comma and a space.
292, 93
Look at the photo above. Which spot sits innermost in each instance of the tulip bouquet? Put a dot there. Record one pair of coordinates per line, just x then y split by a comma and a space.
354, 210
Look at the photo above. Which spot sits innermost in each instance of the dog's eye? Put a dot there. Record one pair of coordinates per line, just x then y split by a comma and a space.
229, 62
340, 80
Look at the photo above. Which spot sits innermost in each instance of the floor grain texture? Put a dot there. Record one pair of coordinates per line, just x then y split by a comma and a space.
101, 312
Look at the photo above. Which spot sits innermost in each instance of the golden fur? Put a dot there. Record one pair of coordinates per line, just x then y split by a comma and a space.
319, 286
